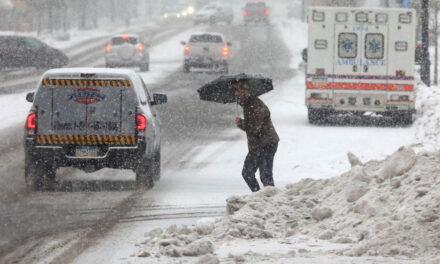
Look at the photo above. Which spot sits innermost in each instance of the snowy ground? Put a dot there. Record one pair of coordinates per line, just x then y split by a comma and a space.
212, 173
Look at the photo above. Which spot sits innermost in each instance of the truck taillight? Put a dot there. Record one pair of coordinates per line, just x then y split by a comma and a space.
141, 122
31, 122
186, 50
108, 48
267, 12
245, 13
225, 51
141, 47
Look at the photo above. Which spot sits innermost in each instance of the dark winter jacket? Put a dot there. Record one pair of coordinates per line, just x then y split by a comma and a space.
257, 124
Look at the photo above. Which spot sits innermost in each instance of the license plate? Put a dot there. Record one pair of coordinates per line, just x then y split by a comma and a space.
86, 152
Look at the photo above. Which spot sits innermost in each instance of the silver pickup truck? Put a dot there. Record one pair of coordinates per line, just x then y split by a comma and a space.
91, 118
207, 51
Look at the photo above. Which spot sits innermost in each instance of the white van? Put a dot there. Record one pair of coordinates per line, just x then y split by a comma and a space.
361, 60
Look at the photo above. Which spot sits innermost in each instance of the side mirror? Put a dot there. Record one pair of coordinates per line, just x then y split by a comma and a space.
183, 42
30, 97
159, 99
304, 55
228, 44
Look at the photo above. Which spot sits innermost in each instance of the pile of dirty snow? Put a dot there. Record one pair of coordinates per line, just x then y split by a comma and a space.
381, 208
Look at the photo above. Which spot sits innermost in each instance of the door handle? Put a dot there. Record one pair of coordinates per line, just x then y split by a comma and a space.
365, 68
355, 68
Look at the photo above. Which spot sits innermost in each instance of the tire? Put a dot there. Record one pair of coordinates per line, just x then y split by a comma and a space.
156, 165
39, 175
144, 174
317, 115
145, 67
186, 68
403, 118
225, 69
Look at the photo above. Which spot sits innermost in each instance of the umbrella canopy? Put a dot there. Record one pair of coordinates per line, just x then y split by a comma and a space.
219, 90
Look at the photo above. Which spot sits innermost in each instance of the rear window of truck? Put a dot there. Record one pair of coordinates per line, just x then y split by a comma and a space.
122, 40
206, 38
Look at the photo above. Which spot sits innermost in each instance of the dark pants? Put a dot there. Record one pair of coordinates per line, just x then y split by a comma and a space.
262, 159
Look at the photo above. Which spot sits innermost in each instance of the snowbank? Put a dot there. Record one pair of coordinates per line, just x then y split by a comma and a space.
382, 208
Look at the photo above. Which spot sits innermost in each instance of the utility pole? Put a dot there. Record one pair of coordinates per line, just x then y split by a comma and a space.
426, 64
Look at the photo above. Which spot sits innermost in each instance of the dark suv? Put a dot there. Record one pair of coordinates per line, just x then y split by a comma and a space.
23, 51
91, 118
256, 12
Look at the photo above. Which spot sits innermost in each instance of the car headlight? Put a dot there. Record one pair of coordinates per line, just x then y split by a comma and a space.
190, 10
165, 15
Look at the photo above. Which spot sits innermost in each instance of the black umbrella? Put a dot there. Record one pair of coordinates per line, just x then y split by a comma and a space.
219, 90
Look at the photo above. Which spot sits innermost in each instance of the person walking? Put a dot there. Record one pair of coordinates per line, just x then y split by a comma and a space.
261, 136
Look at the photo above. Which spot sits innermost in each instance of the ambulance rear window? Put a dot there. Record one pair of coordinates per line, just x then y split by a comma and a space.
347, 45
374, 46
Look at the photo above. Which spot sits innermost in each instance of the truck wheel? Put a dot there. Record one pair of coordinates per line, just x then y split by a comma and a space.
186, 68
403, 118
317, 115
225, 69
145, 67
144, 174
156, 165
39, 175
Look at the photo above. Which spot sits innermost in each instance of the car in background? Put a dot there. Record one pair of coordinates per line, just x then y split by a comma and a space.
208, 51
214, 13
127, 51
174, 13
25, 51
92, 118
256, 11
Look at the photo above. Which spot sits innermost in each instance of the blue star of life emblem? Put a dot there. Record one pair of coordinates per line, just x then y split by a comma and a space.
374, 46
347, 45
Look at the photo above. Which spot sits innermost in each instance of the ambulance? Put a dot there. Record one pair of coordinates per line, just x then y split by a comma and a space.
361, 61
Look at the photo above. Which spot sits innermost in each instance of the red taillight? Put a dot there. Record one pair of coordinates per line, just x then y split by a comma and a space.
245, 13
267, 12
141, 47
108, 48
225, 51
255, 2
124, 37
31, 122
186, 50
141, 122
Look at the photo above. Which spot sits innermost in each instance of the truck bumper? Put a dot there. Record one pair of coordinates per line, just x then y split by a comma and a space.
108, 156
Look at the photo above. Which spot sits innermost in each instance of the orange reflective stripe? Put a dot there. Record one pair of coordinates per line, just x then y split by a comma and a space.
43, 139
125, 82
60, 140
54, 139
88, 140
130, 83
99, 139
105, 140
94, 140
38, 140
83, 142
133, 140
122, 140
77, 139
128, 140
111, 139
117, 140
